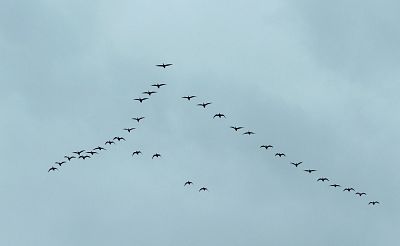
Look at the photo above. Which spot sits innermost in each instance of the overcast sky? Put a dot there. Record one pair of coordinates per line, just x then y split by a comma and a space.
318, 80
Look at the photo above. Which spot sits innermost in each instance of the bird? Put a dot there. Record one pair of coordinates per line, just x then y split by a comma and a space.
335, 185
296, 164
310, 170
92, 152
99, 148
203, 104
164, 65
158, 85
323, 179
266, 146
373, 202
141, 99
188, 183
138, 118
280, 154
236, 128
219, 115
119, 138
203, 189
129, 129
69, 157
361, 193
109, 142
156, 155
189, 97
52, 169
348, 189
78, 152
60, 163
137, 152
248, 133
149, 92
84, 157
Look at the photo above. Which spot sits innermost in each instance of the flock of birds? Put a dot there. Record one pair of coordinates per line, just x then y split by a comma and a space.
84, 154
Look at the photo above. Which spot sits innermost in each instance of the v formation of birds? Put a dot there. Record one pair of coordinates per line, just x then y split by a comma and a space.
85, 154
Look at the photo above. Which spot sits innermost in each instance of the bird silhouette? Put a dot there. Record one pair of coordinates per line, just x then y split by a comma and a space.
83, 156
92, 152
138, 118
280, 154
335, 185
109, 142
219, 115
164, 65
156, 155
296, 164
310, 170
266, 146
323, 179
203, 104
373, 202
60, 163
141, 99
69, 157
348, 189
78, 152
158, 85
189, 97
188, 183
129, 129
236, 128
248, 133
119, 138
99, 148
137, 152
52, 169
149, 92
361, 193
203, 189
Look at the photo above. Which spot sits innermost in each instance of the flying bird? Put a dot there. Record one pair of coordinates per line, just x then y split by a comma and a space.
60, 163
149, 92
280, 154
119, 138
361, 193
69, 157
84, 157
138, 118
137, 152
310, 170
164, 65
373, 202
188, 183
266, 146
203, 104
349, 189
52, 169
92, 152
156, 155
219, 115
323, 179
203, 189
335, 185
189, 97
158, 85
296, 164
78, 152
141, 99
129, 129
248, 133
109, 142
99, 148
236, 128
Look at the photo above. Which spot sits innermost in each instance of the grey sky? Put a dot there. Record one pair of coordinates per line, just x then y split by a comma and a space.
317, 79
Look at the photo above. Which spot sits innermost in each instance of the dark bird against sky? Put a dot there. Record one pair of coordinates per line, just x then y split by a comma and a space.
141, 99
164, 65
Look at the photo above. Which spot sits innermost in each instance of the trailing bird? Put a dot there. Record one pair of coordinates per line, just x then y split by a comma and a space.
158, 85
373, 202
129, 129
310, 170
296, 164
189, 97
156, 155
78, 152
361, 193
219, 115
149, 92
60, 163
188, 183
109, 142
92, 152
349, 189
266, 146
99, 148
323, 179
141, 99
52, 169
203, 104
138, 118
84, 157
119, 138
203, 189
164, 65
236, 128
280, 154
248, 133
69, 157
137, 152
335, 185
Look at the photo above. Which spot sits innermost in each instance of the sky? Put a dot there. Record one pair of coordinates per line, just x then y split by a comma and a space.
318, 80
